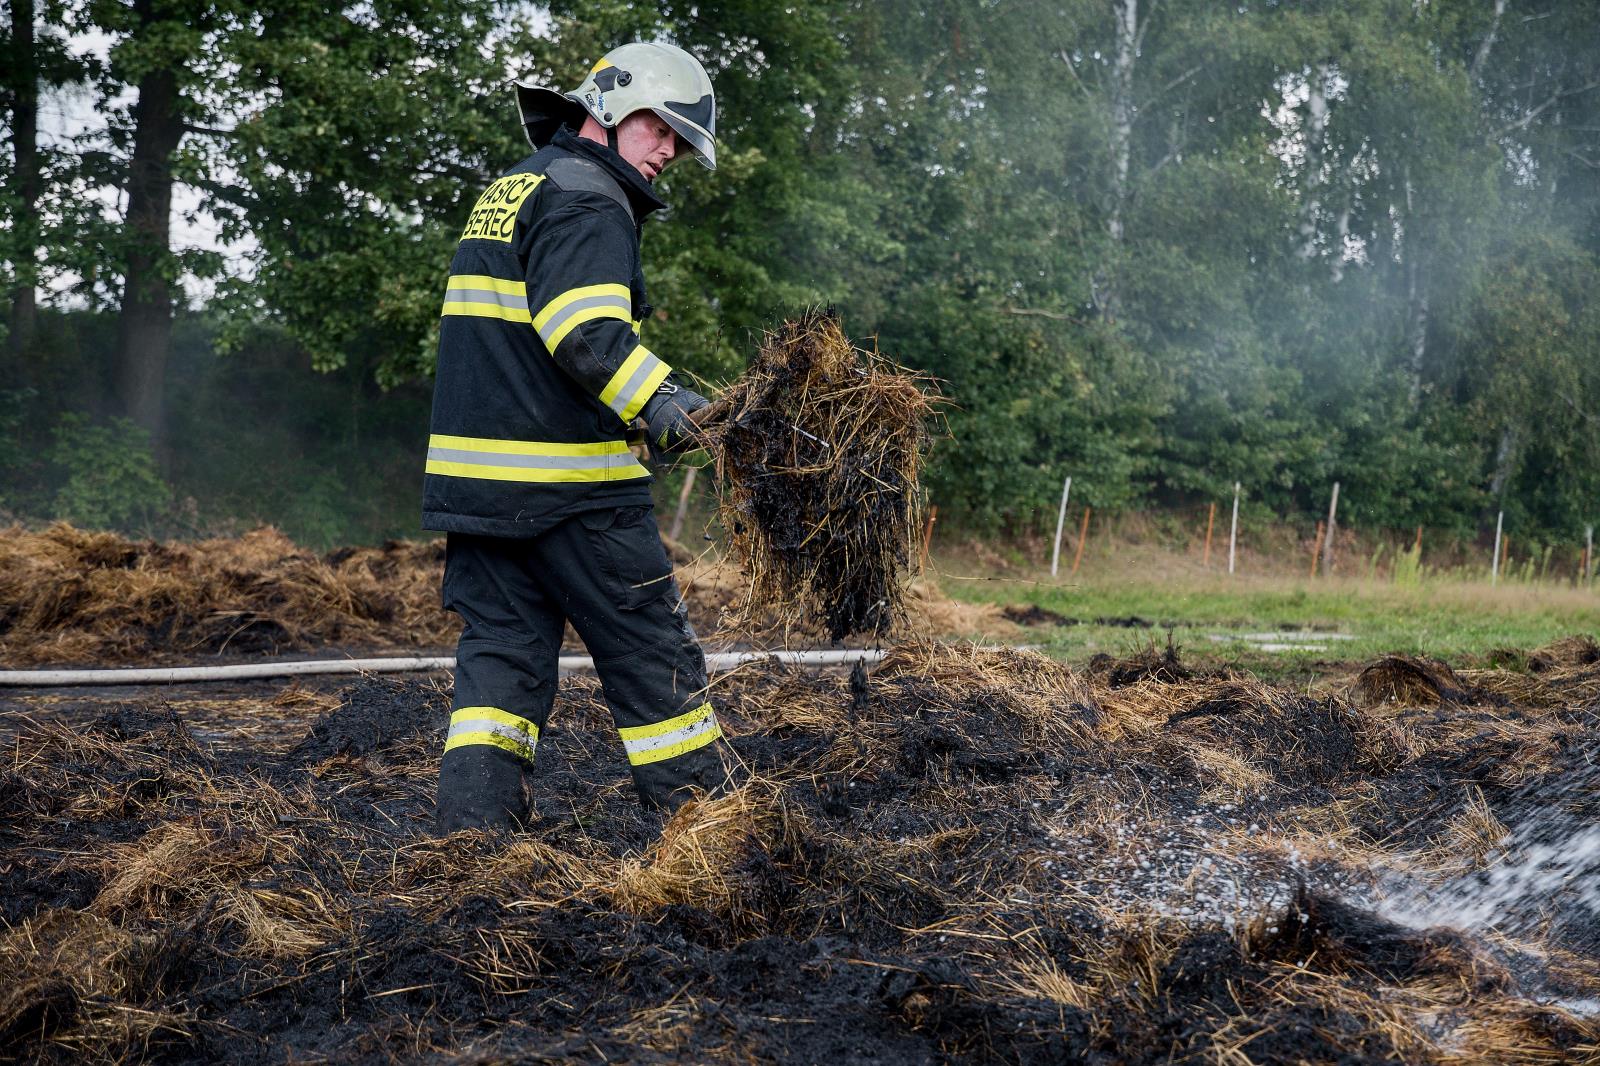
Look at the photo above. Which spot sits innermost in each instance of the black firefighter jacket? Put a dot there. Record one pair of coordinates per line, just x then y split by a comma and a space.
541, 370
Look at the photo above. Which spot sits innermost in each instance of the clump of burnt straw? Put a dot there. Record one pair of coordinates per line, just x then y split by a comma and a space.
818, 460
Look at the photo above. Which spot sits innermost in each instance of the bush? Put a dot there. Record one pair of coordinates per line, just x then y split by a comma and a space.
107, 474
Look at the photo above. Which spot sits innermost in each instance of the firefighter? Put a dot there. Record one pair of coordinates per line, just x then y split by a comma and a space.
541, 375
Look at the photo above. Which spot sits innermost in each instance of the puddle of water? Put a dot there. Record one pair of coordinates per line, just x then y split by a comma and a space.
1292, 637
1280, 648
1304, 640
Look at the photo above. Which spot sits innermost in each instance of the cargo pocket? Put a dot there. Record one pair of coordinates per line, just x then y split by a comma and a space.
629, 555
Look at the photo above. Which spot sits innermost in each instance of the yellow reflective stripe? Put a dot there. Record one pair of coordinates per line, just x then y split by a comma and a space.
485, 281
635, 380
493, 714
485, 296
588, 314
656, 729
505, 730
621, 472
521, 748
531, 461
683, 747
527, 447
660, 741
630, 366
571, 296
474, 310
645, 391
562, 315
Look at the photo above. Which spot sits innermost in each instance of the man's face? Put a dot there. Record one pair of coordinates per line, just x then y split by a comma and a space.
647, 142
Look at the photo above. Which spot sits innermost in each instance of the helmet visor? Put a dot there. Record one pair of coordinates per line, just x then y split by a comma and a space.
705, 149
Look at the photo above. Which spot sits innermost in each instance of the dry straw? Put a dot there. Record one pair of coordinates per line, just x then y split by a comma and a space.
77, 597
71, 595
818, 460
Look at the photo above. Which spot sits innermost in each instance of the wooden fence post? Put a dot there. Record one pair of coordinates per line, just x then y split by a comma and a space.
1211, 518
683, 504
1588, 555
1083, 536
1327, 545
1316, 549
1061, 518
1494, 561
1233, 533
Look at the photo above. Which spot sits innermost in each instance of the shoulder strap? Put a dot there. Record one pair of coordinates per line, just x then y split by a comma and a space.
580, 175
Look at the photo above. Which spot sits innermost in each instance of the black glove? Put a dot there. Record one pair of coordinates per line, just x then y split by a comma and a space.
667, 414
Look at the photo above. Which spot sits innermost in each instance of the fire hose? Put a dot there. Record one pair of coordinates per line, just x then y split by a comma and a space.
247, 671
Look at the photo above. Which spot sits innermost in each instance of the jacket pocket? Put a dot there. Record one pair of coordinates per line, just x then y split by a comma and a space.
629, 555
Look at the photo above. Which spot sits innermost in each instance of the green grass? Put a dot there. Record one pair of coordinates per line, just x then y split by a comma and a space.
1208, 613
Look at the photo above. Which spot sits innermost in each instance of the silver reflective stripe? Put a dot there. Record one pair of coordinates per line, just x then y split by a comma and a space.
489, 725
552, 328
626, 396
708, 724
486, 296
532, 462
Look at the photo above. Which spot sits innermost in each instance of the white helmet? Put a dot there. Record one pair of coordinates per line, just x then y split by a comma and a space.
660, 77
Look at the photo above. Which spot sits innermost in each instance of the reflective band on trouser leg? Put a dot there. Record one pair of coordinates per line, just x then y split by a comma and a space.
634, 382
482, 296
494, 727
529, 460
667, 740
577, 306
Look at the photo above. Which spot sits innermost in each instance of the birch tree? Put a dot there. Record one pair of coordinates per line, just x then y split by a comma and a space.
1128, 37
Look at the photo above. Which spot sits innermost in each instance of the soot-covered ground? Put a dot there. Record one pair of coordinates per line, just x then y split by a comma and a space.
958, 853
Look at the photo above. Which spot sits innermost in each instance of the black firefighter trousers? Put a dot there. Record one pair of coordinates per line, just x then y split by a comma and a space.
607, 572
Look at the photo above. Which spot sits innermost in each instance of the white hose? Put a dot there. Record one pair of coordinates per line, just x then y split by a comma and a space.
245, 671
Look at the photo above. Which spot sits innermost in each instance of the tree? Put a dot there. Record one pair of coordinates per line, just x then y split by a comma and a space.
37, 62
23, 91
161, 54
317, 134
363, 133
1161, 244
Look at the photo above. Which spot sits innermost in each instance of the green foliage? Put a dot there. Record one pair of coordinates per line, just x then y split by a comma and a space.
107, 473
362, 135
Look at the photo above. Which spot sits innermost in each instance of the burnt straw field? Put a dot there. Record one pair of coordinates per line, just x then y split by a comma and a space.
958, 853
